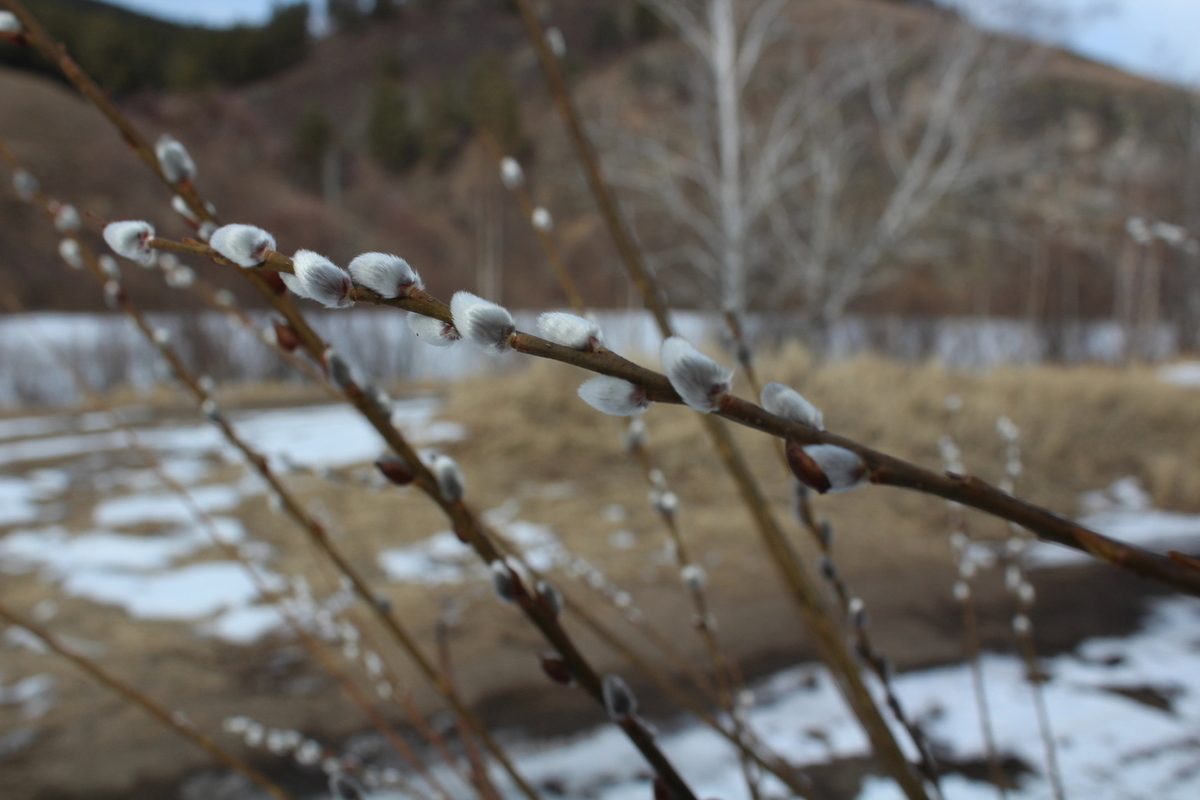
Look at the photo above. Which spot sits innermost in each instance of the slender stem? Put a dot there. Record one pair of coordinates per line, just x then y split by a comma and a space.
176, 722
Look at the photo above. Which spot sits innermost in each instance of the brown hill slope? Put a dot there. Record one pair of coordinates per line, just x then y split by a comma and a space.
446, 219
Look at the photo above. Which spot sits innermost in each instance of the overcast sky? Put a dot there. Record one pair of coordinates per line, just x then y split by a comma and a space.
1158, 38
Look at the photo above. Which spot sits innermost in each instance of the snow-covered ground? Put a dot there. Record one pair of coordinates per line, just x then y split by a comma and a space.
1110, 745
114, 561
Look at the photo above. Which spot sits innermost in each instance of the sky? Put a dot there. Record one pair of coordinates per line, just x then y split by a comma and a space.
1156, 38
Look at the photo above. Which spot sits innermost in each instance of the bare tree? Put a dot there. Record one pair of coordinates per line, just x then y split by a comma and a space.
812, 160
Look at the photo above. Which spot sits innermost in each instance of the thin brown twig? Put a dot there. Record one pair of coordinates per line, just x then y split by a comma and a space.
829, 643
316, 648
883, 469
176, 722
462, 518
725, 670
312, 527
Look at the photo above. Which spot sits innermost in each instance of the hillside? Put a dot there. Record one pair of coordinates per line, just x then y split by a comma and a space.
267, 152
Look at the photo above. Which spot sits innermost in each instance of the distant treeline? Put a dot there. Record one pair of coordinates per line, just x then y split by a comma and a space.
126, 51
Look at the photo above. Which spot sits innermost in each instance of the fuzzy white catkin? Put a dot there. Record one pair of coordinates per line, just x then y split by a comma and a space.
341, 374
844, 469
483, 323
619, 699
318, 278
700, 381
131, 239
384, 273
109, 266
449, 477
541, 220
173, 157
511, 174
433, 331
502, 581
25, 185
9, 22
791, 405
244, 245
614, 396
556, 42
569, 330
66, 219
694, 577
206, 230
181, 208
69, 250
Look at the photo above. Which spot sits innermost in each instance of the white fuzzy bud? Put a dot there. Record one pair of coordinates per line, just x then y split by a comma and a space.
66, 219
209, 409
173, 157
556, 42
9, 23
344, 786
180, 277
236, 725
109, 266
244, 245
69, 250
1021, 624
786, 402
664, 502
1013, 577
542, 220
511, 174
385, 274
1138, 230
694, 577
449, 477
341, 374
614, 396
165, 261
1026, 594
182, 209
552, 596
962, 591
161, 336
373, 663
481, 322
433, 331
254, 735
309, 753
25, 185
570, 330
131, 239
225, 298
206, 230
112, 295
635, 434
700, 381
844, 469
206, 384
503, 581
619, 700
318, 278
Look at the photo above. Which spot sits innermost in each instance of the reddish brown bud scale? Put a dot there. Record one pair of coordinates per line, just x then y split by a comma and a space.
805, 467
555, 667
395, 470
272, 279
286, 336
